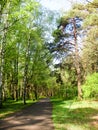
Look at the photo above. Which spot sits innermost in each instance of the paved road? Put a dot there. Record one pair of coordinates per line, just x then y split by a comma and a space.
35, 117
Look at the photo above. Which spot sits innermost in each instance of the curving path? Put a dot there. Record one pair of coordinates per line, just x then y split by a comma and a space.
35, 117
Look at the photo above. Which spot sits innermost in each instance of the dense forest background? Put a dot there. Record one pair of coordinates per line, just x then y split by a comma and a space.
44, 53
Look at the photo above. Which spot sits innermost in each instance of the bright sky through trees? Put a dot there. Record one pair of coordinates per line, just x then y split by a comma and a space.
62, 5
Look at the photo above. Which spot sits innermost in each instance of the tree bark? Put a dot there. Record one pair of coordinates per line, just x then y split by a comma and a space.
77, 61
26, 67
4, 24
16, 76
35, 91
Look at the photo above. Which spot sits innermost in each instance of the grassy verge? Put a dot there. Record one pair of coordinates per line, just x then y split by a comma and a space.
12, 106
75, 115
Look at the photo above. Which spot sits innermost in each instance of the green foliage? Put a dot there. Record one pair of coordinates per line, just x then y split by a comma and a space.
57, 34
91, 19
90, 88
90, 48
10, 107
24, 62
74, 115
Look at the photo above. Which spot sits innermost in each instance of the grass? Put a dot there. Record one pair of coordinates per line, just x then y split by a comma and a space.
75, 115
10, 107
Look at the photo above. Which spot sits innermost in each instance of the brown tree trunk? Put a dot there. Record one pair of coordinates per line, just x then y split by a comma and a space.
16, 77
25, 84
77, 61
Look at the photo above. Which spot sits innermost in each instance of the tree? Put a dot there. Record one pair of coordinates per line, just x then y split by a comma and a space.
67, 38
5, 6
12, 15
90, 49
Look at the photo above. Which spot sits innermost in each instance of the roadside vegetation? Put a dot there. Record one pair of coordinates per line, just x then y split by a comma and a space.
75, 115
10, 107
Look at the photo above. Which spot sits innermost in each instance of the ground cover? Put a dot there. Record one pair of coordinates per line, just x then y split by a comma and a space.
75, 115
11, 106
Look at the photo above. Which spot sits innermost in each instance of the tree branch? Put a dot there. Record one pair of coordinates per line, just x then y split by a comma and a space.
94, 4
6, 28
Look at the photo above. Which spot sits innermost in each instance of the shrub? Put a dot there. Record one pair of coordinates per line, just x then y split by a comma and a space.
90, 88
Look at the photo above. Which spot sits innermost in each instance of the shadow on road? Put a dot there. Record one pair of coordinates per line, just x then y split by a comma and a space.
35, 117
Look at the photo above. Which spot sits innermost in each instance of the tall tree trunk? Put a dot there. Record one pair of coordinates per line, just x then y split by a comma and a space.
0, 89
12, 87
77, 61
16, 73
35, 92
25, 81
26, 67
16, 77
4, 24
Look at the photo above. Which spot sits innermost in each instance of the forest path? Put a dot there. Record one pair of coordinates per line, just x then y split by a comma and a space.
38, 116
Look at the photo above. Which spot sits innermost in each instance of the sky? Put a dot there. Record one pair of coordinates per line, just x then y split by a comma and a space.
59, 5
